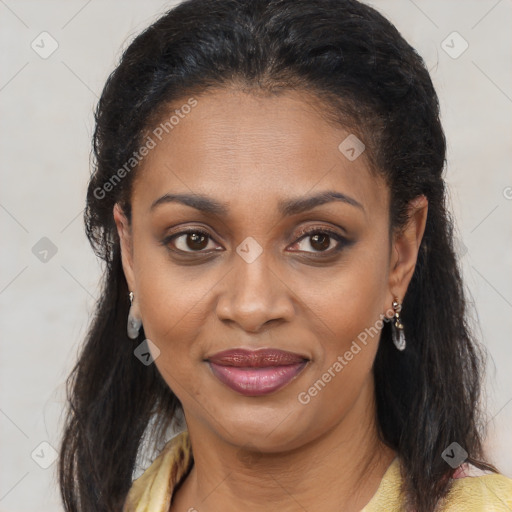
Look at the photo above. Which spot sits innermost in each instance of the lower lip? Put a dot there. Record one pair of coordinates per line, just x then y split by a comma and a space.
256, 381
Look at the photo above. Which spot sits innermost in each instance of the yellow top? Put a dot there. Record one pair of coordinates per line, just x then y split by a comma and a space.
475, 491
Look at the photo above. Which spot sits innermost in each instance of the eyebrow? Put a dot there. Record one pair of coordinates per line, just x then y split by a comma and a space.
286, 207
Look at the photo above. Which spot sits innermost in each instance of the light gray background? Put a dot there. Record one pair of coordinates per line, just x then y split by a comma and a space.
46, 125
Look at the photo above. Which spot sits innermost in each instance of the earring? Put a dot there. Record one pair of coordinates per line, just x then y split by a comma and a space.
134, 323
397, 329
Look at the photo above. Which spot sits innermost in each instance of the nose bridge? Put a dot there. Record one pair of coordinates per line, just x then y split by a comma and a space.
254, 294
253, 274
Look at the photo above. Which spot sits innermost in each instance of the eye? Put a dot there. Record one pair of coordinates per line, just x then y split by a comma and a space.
191, 240
321, 240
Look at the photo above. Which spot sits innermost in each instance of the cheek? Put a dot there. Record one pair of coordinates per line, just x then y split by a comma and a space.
177, 310
349, 305
172, 321
350, 297
172, 307
170, 295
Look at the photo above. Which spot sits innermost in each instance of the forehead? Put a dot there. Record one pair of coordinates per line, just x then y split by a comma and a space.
253, 150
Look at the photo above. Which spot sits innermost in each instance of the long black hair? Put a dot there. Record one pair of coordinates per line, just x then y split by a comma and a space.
371, 81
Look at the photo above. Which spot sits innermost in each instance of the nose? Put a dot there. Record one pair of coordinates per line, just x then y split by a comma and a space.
254, 295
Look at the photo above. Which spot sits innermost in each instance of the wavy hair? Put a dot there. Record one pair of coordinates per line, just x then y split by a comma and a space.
371, 81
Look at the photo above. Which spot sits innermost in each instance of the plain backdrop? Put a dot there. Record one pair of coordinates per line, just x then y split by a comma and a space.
49, 275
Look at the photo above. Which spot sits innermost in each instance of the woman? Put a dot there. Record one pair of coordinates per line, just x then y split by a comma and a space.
280, 280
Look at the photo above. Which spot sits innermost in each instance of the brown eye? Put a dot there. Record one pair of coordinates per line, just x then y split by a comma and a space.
320, 241
193, 240
196, 241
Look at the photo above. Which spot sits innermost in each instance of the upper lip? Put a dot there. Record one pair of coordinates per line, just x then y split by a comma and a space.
261, 358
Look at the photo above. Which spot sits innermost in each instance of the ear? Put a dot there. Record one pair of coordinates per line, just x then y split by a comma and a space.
405, 246
125, 236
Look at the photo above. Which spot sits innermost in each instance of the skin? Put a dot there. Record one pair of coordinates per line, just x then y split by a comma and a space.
250, 152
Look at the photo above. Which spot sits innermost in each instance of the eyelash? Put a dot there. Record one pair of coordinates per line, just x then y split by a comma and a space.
303, 234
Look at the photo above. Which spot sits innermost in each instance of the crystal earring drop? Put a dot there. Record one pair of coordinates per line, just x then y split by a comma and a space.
397, 329
134, 323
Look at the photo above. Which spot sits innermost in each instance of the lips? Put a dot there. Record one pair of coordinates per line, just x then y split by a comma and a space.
256, 372
262, 358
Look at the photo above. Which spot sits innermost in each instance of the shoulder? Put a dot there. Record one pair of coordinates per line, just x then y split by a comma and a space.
474, 490
471, 490
152, 491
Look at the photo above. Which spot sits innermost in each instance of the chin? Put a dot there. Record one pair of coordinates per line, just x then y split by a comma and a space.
268, 429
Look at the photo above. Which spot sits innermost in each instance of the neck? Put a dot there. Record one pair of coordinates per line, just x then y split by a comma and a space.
339, 470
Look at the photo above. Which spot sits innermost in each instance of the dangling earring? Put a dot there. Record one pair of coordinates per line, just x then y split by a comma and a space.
134, 323
397, 329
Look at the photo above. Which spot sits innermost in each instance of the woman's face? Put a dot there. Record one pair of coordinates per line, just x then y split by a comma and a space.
256, 280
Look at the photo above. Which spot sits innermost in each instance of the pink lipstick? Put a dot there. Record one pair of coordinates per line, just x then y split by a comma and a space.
256, 372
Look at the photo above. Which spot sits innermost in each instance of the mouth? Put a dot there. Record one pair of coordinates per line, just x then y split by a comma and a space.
256, 372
